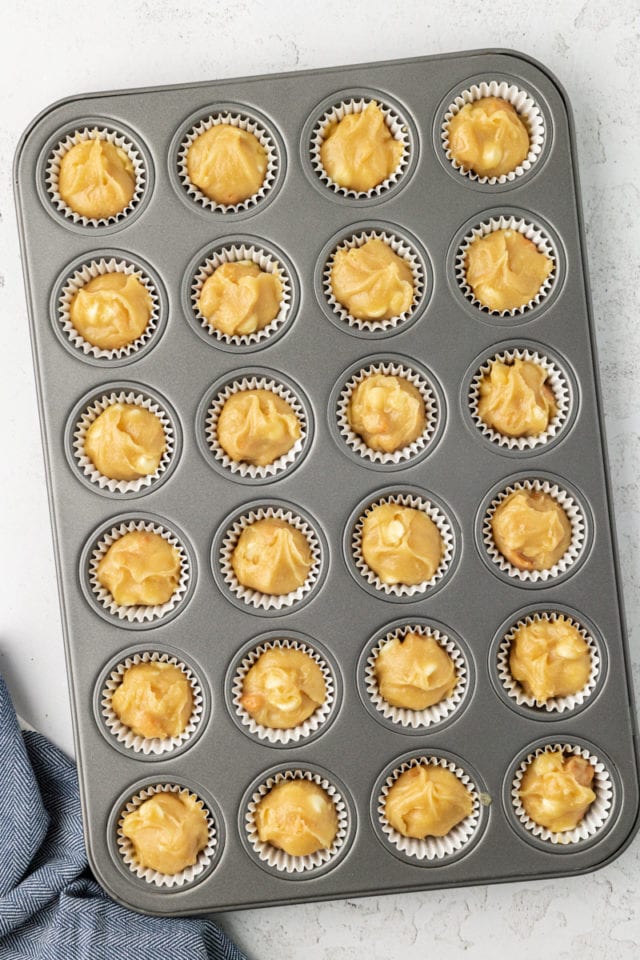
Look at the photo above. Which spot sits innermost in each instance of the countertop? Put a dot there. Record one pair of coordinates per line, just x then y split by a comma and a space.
46, 52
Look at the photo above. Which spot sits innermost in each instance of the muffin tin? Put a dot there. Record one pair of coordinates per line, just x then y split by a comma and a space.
170, 235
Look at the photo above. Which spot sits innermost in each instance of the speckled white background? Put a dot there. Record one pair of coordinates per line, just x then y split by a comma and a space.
51, 49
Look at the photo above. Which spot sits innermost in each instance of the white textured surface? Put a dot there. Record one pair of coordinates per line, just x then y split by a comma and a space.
48, 51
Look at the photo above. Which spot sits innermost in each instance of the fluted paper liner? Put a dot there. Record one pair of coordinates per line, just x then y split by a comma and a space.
403, 249
243, 122
431, 848
154, 877
254, 598
269, 263
52, 173
553, 704
417, 446
148, 746
595, 817
308, 726
279, 859
574, 515
444, 528
396, 125
137, 613
252, 470
403, 716
89, 271
528, 111
529, 230
556, 380
92, 412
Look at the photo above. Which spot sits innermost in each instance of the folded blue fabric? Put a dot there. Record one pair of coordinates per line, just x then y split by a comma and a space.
51, 908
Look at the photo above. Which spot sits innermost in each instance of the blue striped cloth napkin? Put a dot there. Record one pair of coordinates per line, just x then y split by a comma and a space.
51, 908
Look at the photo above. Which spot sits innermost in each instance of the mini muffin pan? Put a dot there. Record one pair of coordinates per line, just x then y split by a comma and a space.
314, 354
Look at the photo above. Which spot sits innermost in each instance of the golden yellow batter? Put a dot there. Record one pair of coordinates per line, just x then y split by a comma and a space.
111, 310
372, 282
140, 568
489, 137
556, 790
414, 672
549, 658
167, 832
387, 412
531, 530
239, 298
272, 556
257, 426
297, 816
505, 270
359, 151
96, 179
154, 700
125, 442
227, 164
283, 688
427, 801
401, 544
515, 398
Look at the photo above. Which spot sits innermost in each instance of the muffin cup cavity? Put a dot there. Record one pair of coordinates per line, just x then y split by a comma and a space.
243, 122
528, 111
137, 613
555, 705
149, 747
404, 590
205, 859
81, 276
242, 469
266, 602
402, 248
576, 517
81, 135
556, 380
417, 720
268, 261
304, 730
397, 126
596, 816
529, 230
396, 368
430, 848
278, 859
88, 416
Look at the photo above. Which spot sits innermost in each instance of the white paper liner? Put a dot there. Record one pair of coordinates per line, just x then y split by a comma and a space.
137, 613
403, 716
573, 512
556, 380
528, 230
135, 742
92, 412
444, 528
528, 111
308, 726
254, 598
356, 443
396, 125
252, 470
595, 817
269, 263
52, 173
125, 847
243, 122
554, 704
431, 848
400, 247
277, 858
89, 271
